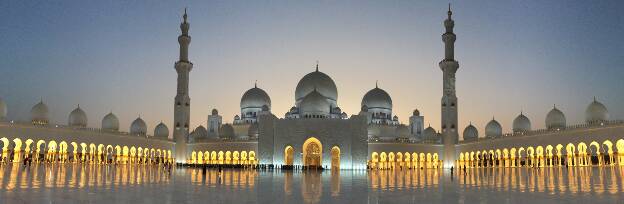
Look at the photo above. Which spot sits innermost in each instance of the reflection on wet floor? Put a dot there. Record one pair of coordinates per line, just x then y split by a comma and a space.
14, 176
312, 187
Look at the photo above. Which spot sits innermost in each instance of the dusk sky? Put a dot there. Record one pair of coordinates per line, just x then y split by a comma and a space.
119, 56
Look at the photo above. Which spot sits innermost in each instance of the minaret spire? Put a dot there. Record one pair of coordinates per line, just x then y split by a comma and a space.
449, 66
182, 105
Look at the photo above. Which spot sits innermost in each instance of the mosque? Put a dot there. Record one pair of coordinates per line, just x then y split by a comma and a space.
316, 132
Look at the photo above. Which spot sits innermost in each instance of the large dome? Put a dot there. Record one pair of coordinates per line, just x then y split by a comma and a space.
596, 112
314, 104
319, 81
39, 113
471, 133
3, 110
521, 123
255, 98
377, 98
161, 131
138, 127
77, 118
493, 129
110, 122
555, 119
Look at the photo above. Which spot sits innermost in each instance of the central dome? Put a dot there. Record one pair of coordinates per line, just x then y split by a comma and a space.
314, 104
319, 81
377, 98
255, 98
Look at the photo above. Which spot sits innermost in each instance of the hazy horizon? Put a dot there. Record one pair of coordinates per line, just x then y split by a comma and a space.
119, 56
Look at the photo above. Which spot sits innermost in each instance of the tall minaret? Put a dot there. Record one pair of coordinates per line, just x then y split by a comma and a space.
182, 106
449, 66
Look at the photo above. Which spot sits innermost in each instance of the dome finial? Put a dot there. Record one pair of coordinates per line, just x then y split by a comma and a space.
317, 62
594, 98
376, 82
256, 84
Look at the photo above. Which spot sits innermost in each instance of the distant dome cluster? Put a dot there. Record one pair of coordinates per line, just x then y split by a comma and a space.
596, 113
39, 115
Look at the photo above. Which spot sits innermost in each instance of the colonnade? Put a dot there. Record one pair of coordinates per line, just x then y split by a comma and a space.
399, 160
580, 154
17, 150
223, 157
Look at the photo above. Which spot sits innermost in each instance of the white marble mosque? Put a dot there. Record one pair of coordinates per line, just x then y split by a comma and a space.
316, 132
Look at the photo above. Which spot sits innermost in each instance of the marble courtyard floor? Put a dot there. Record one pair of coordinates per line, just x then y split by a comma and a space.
77, 183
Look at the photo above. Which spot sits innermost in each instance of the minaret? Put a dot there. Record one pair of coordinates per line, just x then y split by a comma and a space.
182, 106
449, 66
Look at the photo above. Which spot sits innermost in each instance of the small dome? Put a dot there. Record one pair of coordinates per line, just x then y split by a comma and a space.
314, 104
430, 134
337, 110
402, 131
200, 132
255, 98
395, 118
39, 114
555, 119
110, 122
77, 118
596, 112
493, 129
377, 98
344, 115
161, 131
471, 133
265, 108
3, 110
521, 123
318, 81
215, 111
226, 131
236, 117
138, 127
416, 112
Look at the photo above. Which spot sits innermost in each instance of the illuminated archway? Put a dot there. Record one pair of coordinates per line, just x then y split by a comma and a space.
335, 155
619, 145
289, 155
312, 152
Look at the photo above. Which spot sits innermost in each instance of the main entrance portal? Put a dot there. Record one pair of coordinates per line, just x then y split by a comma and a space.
312, 152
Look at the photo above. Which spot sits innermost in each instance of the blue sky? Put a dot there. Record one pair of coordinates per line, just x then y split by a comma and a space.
119, 55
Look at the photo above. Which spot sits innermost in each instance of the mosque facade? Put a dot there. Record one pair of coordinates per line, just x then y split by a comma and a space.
316, 132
